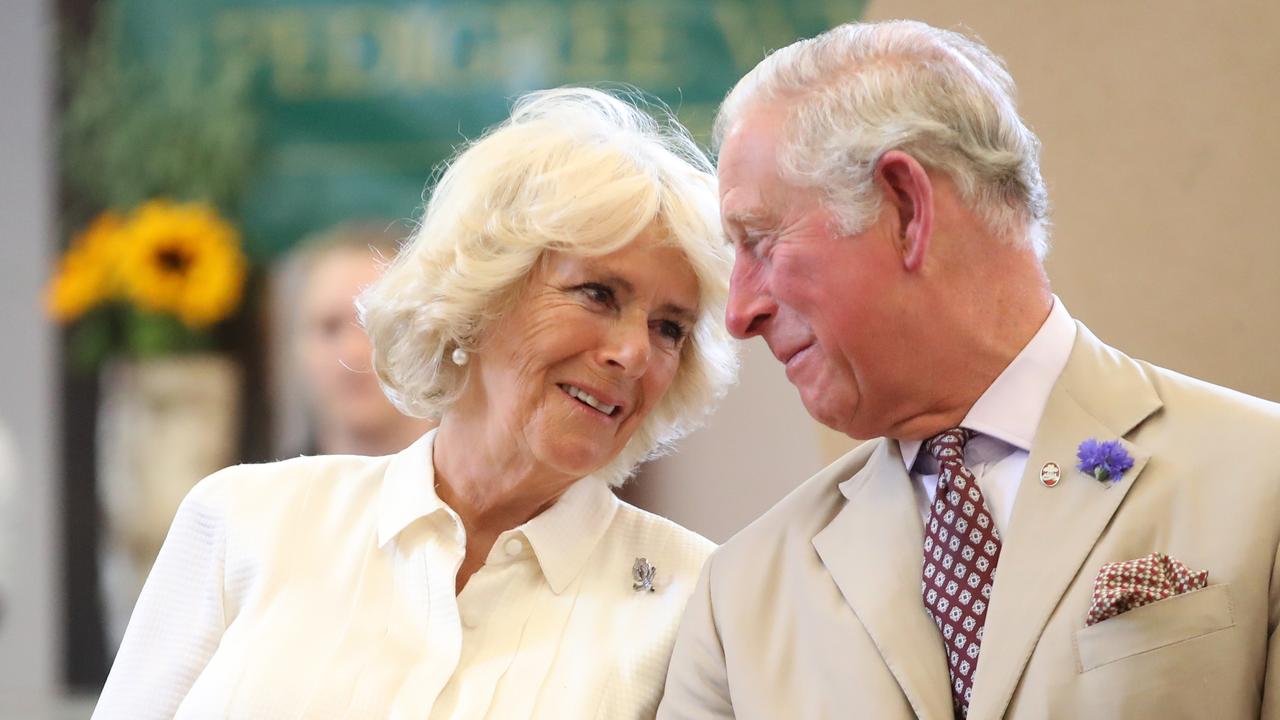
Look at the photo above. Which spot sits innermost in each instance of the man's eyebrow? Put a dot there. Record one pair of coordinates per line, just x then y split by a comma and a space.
737, 221
748, 217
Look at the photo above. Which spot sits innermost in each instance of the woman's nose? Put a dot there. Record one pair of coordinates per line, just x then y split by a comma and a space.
629, 347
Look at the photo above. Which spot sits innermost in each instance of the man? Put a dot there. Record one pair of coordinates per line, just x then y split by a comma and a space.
1029, 537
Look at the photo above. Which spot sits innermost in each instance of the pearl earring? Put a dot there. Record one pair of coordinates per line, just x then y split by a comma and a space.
459, 357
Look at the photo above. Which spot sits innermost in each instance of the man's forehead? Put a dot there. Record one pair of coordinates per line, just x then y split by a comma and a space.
748, 169
754, 135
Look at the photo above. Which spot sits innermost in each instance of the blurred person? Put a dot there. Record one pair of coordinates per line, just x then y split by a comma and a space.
559, 311
1043, 526
346, 411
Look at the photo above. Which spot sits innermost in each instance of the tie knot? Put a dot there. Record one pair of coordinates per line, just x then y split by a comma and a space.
948, 445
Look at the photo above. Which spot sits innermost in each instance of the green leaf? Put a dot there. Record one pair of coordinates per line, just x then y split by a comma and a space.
89, 343
152, 334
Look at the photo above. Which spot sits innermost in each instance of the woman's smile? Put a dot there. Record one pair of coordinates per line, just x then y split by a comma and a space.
593, 400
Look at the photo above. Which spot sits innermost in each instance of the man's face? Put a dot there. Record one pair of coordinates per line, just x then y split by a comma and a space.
823, 301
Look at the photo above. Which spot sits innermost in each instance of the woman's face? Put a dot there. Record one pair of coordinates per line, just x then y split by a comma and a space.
588, 348
333, 352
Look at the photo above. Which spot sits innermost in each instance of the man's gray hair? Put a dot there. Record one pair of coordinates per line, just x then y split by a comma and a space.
860, 90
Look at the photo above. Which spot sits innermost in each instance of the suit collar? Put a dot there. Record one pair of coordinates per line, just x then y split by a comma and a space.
1101, 394
872, 549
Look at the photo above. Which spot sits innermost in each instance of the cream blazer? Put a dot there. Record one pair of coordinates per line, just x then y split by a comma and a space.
325, 588
814, 611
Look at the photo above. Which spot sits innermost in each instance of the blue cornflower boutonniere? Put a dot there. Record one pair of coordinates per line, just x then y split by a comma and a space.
1105, 461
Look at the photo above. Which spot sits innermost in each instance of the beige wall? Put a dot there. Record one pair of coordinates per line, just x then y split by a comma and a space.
1161, 132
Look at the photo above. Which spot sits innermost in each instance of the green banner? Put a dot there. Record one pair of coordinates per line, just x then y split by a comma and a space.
359, 101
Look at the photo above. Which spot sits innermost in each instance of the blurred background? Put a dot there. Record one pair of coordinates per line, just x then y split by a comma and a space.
192, 190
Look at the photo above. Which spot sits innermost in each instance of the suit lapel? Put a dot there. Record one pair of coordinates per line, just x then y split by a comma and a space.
872, 549
1101, 394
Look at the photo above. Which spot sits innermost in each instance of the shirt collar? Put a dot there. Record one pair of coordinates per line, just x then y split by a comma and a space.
408, 489
1010, 409
563, 536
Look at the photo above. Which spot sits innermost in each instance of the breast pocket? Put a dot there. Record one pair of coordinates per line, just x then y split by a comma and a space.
1150, 627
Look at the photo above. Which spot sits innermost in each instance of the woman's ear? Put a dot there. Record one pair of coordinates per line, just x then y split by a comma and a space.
909, 190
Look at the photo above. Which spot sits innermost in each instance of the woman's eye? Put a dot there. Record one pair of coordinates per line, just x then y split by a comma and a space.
672, 330
597, 293
329, 327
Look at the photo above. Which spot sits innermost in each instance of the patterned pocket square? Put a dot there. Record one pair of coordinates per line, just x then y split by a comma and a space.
1123, 586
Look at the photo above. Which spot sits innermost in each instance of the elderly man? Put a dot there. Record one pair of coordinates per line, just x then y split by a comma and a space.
1045, 527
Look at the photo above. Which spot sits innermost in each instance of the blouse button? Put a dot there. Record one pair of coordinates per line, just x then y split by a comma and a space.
514, 547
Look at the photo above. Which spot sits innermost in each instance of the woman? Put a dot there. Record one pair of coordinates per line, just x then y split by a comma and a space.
338, 404
559, 311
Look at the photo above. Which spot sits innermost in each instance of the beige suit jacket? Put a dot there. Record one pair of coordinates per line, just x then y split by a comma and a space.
814, 610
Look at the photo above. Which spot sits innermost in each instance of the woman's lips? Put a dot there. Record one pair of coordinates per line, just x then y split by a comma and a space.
594, 400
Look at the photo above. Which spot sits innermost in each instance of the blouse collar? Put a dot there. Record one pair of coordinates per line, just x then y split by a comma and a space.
563, 537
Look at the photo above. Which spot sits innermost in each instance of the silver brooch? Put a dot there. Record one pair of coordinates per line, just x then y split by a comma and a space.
642, 574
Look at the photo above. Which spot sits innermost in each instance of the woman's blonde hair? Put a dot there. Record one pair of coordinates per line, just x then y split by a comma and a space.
575, 170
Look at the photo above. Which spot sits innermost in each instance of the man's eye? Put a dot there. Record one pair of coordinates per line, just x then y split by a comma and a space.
757, 245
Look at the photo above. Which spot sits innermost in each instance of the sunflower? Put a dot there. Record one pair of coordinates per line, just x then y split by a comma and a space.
86, 275
182, 259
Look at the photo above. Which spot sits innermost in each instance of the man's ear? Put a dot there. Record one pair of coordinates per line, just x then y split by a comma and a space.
908, 189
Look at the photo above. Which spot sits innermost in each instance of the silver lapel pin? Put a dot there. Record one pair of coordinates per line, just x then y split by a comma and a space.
642, 574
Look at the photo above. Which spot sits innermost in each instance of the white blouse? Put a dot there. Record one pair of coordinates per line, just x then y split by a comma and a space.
324, 587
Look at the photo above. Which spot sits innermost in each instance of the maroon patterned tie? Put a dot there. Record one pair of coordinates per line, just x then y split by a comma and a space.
961, 548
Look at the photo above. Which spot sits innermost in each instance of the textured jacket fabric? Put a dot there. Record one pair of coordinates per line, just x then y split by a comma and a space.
814, 611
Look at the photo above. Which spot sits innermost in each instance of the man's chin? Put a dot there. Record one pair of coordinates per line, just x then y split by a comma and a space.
820, 409
832, 413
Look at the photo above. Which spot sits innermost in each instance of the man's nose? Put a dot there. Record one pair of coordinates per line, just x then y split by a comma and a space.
750, 304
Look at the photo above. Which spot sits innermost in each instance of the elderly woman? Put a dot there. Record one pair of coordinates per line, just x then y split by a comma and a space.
558, 311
